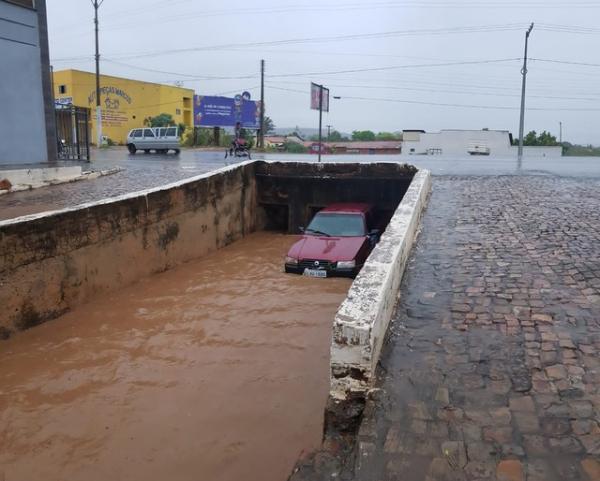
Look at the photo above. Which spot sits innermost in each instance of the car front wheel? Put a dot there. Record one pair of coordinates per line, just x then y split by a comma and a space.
132, 149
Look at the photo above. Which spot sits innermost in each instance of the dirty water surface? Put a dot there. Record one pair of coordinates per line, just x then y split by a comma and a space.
216, 370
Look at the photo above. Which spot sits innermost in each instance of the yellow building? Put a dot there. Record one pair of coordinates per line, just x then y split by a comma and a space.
125, 103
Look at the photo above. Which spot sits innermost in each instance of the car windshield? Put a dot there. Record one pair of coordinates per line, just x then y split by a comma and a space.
337, 225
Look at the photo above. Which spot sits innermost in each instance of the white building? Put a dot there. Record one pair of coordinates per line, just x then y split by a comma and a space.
497, 143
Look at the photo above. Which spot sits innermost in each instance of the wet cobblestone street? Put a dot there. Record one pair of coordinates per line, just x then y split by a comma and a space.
491, 370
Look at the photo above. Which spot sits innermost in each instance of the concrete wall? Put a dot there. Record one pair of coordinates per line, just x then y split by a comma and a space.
41, 176
304, 188
529, 151
23, 117
51, 262
458, 142
361, 323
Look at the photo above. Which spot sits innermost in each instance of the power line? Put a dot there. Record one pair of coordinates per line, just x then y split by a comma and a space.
190, 77
438, 104
396, 67
328, 39
456, 92
178, 74
566, 62
323, 7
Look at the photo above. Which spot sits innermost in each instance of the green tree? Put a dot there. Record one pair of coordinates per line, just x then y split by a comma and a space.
574, 150
363, 135
269, 125
161, 120
388, 136
335, 136
295, 148
545, 139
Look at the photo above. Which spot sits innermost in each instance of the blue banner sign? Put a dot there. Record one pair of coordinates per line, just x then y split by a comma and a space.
226, 112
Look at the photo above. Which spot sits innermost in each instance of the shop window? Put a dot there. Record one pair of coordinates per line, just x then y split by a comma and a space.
62, 89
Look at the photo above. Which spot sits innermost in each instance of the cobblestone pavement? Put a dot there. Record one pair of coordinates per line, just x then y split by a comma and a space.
139, 172
490, 371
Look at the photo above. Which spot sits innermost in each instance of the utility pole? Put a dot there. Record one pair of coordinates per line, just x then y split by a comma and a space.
524, 73
329, 132
97, 5
320, 121
560, 133
261, 140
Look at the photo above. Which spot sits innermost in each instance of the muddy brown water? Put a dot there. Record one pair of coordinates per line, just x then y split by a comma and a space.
216, 370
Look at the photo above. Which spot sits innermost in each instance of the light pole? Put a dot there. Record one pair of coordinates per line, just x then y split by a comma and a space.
524, 73
261, 139
560, 137
320, 121
97, 5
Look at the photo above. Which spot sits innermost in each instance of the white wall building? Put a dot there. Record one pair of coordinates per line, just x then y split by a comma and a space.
461, 143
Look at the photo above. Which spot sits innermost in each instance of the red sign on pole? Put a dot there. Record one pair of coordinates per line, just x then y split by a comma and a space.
315, 92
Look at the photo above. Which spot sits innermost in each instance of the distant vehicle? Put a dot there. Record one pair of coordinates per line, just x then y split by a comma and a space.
239, 148
337, 242
479, 150
159, 139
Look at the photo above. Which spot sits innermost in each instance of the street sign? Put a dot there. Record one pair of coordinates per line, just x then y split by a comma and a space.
315, 92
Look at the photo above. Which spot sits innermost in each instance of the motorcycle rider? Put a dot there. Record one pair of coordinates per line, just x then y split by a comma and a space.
238, 140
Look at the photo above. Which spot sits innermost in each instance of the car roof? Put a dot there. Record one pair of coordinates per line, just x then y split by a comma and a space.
348, 208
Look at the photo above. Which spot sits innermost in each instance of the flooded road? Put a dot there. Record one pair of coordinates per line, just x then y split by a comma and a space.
141, 171
217, 370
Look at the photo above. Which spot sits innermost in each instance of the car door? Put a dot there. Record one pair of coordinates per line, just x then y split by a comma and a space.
148, 140
137, 138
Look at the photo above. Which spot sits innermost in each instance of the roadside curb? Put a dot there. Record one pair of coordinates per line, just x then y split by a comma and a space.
361, 322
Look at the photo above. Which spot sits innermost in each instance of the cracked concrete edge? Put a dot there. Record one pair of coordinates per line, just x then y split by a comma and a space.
361, 322
90, 175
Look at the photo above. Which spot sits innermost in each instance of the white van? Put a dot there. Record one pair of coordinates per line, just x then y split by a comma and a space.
159, 139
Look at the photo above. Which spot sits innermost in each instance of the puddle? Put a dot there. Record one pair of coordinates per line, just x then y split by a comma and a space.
217, 370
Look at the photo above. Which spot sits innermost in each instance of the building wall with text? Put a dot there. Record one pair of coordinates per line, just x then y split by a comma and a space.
125, 103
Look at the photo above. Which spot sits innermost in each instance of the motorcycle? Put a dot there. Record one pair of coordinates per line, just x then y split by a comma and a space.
239, 149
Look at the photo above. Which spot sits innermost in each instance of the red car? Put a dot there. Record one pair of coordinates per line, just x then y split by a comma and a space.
337, 242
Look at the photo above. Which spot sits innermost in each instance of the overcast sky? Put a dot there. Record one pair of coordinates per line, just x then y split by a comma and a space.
366, 52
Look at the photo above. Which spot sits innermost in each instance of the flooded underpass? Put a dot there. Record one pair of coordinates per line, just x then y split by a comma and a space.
215, 370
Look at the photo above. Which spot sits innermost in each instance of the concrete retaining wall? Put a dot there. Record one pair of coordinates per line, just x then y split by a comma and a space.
51, 262
362, 320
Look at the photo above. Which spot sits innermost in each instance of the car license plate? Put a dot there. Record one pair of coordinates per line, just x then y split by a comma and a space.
315, 273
